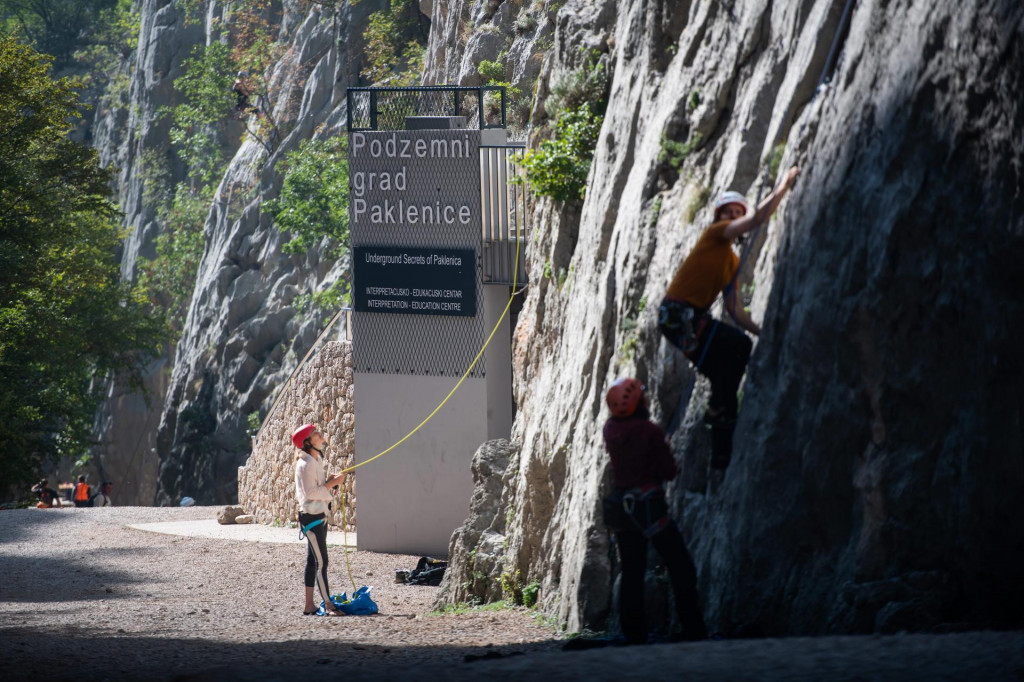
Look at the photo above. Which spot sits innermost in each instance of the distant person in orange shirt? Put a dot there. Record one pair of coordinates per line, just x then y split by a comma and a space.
718, 351
82, 495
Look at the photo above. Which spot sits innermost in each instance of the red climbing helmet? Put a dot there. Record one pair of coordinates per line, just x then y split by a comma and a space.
301, 434
623, 396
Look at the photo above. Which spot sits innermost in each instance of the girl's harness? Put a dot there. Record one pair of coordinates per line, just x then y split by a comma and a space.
304, 530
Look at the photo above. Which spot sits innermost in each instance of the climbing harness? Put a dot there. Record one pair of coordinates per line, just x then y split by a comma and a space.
748, 248
643, 508
304, 530
646, 509
679, 318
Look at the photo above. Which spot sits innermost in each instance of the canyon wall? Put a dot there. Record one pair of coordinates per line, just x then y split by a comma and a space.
879, 449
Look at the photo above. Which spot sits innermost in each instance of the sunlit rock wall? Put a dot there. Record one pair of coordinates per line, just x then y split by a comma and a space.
879, 451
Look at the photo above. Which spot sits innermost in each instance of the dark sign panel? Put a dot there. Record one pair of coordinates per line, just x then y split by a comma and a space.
415, 281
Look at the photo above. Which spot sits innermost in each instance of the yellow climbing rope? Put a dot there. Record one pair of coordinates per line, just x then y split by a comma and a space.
344, 522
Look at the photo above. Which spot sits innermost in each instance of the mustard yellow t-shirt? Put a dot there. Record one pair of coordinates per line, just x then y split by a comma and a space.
710, 266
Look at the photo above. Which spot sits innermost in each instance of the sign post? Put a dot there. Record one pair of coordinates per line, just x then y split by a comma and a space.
415, 223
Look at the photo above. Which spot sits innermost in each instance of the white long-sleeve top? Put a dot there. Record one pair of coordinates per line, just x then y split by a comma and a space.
310, 485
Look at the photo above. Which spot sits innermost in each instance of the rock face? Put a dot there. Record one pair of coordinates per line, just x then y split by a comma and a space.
515, 34
320, 393
245, 331
879, 450
474, 568
882, 414
128, 135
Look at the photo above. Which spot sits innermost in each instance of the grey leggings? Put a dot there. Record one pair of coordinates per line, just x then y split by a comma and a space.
316, 555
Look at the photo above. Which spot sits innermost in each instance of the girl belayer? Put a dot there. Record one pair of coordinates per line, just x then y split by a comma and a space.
313, 492
718, 351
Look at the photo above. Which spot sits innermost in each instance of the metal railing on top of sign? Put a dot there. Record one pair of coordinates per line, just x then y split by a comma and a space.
388, 108
344, 334
503, 212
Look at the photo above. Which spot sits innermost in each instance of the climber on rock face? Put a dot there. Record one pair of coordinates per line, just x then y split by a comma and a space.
243, 93
718, 351
637, 513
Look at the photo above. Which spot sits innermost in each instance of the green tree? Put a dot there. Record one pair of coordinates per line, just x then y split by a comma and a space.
107, 56
55, 27
64, 316
169, 279
395, 44
313, 204
209, 101
559, 167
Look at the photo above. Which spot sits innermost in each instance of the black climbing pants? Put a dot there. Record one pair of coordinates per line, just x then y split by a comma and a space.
633, 555
316, 554
724, 362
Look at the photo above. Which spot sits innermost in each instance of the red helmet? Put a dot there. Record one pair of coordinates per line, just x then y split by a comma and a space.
301, 434
624, 396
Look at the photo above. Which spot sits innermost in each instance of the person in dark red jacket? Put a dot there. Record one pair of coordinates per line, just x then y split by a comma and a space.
636, 511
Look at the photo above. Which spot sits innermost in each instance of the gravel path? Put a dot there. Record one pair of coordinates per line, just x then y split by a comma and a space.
83, 596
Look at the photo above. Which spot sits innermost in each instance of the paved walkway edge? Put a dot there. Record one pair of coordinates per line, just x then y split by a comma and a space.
249, 532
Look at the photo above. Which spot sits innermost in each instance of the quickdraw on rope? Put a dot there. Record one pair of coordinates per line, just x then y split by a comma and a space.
752, 239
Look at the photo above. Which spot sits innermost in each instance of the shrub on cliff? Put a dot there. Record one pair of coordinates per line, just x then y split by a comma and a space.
395, 43
199, 121
170, 277
313, 202
558, 168
313, 205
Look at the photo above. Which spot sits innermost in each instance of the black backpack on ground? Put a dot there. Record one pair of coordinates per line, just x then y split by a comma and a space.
427, 572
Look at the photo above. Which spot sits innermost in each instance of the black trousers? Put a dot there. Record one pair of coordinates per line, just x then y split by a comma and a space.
633, 555
316, 554
724, 362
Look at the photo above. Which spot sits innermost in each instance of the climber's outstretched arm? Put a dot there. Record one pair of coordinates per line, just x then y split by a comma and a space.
770, 204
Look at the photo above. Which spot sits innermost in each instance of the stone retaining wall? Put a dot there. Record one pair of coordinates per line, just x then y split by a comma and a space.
321, 393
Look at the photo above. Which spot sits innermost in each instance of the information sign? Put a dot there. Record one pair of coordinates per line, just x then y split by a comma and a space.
420, 281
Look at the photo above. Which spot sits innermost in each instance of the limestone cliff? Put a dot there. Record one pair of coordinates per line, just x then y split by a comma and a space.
128, 131
244, 333
879, 449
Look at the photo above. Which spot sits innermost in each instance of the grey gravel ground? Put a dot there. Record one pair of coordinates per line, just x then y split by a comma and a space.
82, 596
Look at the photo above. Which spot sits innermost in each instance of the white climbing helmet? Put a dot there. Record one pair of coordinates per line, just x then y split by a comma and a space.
731, 197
